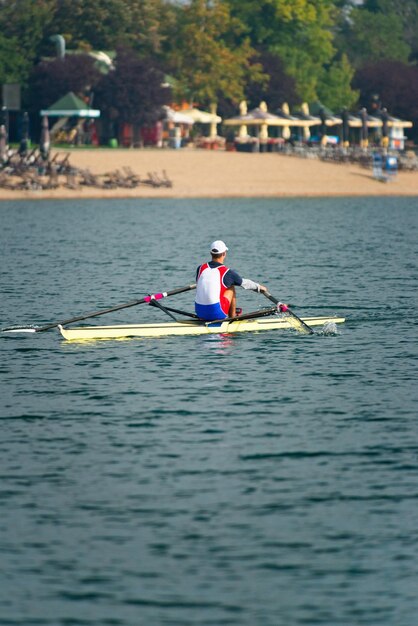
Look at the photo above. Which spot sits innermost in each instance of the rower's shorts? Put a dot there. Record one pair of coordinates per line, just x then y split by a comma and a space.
210, 312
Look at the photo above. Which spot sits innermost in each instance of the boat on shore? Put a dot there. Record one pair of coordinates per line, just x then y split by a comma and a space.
189, 327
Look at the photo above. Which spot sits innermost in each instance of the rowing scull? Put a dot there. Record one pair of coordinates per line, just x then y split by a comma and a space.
189, 327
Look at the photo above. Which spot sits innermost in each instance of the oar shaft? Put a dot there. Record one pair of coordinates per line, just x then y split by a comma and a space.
303, 325
147, 299
245, 316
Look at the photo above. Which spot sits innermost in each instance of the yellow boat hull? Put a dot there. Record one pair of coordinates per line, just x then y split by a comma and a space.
188, 327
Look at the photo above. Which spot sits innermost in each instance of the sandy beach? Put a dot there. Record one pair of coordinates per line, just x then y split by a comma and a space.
219, 174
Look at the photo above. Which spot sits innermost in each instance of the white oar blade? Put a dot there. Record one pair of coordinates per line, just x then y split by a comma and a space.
19, 330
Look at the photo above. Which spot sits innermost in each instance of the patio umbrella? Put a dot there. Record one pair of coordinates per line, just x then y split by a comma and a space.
259, 117
3, 145
240, 120
364, 128
306, 120
346, 128
213, 131
175, 120
392, 121
389, 122
284, 113
385, 128
178, 117
204, 117
328, 119
4, 120
320, 110
364, 121
263, 119
24, 142
323, 129
44, 142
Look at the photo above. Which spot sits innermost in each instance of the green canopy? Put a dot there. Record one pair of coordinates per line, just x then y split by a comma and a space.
70, 106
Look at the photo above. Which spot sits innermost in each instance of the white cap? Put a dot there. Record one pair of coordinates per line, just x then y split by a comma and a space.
218, 247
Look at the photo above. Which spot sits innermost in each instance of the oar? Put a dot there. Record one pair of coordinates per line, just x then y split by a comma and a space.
297, 322
146, 300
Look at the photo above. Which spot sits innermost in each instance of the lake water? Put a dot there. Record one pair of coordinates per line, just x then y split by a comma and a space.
263, 479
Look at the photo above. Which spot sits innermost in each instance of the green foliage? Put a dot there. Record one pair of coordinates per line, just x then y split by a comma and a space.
22, 27
373, 36
306, 49
208, 57
334, 88
407, 12
106, 24
298, 31
13, 66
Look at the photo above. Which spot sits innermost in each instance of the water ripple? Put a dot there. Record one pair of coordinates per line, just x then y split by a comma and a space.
249, 480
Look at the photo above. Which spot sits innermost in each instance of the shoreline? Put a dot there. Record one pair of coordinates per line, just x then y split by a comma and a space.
197, 173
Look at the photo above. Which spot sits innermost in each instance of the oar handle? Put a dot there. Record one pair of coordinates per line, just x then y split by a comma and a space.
303, 326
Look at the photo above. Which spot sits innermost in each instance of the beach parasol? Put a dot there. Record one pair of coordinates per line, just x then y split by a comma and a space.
24, 142
325, 114
364, 121
204, 117
390, 122
288, 120
345, 128
240, 120
178, 117
327, 117
3, 145
259, 117
44, 141
385, 127
306, 120
4, 120
263, 119
364, 142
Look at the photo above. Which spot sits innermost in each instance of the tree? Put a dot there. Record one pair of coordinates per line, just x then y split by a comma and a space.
397, 86
300, 32
90, 24
51, 80
407, 12
24, 23
13, 66
277, 89
134, 91
107, 24
372, 36
334, 86
207, 57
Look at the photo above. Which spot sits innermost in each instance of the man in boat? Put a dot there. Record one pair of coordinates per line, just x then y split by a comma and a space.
215, 286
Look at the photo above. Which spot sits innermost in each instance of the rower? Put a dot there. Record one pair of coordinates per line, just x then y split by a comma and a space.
215, 286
